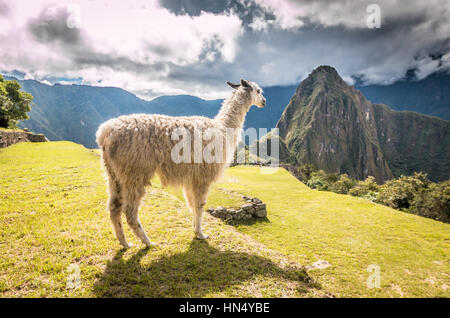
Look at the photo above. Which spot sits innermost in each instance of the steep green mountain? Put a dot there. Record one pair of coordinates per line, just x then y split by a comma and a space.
430, 96
333, 126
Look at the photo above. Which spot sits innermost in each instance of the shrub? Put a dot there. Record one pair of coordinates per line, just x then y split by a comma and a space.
400, 193
362, 188
371, 196
306, 171
343, 185
318, 181
433, 201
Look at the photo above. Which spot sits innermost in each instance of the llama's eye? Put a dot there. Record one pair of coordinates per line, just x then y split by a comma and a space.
258, 91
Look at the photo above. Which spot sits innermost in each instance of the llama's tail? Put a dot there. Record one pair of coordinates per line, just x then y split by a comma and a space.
103, 132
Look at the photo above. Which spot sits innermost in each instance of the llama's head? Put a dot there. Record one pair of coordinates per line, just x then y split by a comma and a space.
253, 90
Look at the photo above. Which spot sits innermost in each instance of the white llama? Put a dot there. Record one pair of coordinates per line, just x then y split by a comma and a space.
135, 147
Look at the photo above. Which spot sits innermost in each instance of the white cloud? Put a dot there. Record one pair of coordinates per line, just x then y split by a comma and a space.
142, 47
133, 32
292, 14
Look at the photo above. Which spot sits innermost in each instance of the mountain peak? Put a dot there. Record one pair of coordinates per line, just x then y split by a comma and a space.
324, 69
324, 74
333, 126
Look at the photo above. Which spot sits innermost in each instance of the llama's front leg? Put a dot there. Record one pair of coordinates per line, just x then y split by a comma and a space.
196, 199
197, 223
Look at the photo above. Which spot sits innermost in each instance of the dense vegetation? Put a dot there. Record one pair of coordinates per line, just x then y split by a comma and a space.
415, 194
14, 104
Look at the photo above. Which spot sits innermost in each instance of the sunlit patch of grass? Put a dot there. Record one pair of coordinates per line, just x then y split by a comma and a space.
53, 215
412, 252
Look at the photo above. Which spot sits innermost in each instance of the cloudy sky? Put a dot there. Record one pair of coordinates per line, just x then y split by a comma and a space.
192, 47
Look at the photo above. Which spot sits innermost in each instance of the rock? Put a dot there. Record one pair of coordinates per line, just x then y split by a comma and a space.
253, 208
261, 213
8, 138
318, 265
261, 206
36, 138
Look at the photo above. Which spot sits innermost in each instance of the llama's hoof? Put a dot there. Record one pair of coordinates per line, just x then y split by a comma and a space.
150, 244
127, 245
202, 236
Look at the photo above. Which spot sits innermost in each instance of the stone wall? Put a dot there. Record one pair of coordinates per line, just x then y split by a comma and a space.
10, 137
252, 208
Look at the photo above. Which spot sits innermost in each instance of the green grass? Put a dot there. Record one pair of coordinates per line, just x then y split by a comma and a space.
53, 214
10, 129
413, 252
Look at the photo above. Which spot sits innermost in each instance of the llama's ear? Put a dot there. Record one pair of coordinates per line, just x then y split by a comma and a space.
235, 86
245, 84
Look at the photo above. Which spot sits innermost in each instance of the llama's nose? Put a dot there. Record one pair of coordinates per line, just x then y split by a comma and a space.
264, 102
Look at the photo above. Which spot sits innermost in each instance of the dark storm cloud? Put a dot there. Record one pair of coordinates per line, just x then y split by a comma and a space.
246, 10
51, 26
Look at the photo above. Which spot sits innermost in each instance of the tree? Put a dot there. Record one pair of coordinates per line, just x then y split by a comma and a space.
305, 171
343, 185
433, 201
363, 188
14, 104
400, 193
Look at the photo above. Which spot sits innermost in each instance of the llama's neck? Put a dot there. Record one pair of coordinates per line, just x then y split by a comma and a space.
233, 110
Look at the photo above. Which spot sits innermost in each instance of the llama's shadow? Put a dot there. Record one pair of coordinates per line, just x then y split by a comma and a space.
200, 270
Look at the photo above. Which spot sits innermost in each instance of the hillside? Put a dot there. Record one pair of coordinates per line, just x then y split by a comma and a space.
334, 127
429, 96
53, 214
74, 112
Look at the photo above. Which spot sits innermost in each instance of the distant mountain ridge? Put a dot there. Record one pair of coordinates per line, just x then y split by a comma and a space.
429, 96
74, 112
333, 126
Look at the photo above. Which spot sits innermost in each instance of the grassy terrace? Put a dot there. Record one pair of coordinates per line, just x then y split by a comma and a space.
53, 215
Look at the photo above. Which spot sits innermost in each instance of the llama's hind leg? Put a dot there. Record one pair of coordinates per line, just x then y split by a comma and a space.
115, 210
131, 207
196, 199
